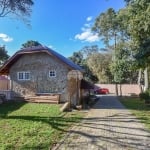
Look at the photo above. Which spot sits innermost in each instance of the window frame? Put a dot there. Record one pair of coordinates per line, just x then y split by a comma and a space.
52, 73
24, 75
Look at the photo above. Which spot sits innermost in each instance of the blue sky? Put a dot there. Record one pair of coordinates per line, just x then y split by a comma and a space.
63, 25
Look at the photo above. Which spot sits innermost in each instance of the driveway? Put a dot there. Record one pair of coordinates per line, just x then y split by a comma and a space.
108, 126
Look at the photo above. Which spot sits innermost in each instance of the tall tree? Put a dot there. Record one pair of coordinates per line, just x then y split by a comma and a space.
97, 62
3, 55
106, 26
18, 8
79, 59
30, 43
138, 28
111, 26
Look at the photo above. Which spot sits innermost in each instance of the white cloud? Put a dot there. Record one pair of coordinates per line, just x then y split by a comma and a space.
5, 37
86, 34
89, 18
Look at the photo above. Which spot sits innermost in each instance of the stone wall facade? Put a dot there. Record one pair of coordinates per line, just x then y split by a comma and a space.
39, 65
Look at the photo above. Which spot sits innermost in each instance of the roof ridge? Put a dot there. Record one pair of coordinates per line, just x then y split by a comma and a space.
40, 48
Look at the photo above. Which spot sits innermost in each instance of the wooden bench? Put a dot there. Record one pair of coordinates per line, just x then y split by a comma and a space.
54, 99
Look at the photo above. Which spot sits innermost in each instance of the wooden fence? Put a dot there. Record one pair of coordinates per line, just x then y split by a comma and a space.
4, 84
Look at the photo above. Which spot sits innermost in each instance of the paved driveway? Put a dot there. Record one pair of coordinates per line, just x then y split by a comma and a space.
108, 126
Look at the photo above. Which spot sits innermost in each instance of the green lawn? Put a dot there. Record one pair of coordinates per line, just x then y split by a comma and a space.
28, 126
138, 108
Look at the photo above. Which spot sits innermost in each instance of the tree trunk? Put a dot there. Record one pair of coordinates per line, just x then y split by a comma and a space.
139, 79
146, 79
120, 89
116, 88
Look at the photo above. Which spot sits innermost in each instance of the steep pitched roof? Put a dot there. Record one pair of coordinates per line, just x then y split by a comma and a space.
86, 85
37, 49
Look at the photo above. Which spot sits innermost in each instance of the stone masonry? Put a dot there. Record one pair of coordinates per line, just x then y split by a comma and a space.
39, 65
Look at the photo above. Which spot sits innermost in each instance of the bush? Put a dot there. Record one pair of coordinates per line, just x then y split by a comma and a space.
2, 97
145, 96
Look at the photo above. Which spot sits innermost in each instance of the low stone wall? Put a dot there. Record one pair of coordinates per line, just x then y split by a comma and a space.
126, 89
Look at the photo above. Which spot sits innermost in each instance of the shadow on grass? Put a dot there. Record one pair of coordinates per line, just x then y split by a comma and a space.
57, 123
9, 107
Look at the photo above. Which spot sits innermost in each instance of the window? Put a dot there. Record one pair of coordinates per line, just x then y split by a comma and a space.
20, 75
52, 73
23, 75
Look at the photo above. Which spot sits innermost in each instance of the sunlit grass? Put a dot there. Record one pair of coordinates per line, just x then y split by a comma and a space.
33, 126
138, 108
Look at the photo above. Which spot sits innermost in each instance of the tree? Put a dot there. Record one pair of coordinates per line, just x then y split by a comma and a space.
138, 28
106, 26
3, 55
30, 43
112, 28
99, 65
98, 60
78, 58
18, 8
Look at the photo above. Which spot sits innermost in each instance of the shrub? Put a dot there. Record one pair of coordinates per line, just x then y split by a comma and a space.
145, 96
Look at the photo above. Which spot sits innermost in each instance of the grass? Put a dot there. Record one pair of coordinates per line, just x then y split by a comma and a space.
139, 109
28, 126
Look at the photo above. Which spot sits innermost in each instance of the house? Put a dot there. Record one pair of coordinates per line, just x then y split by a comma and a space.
39, 70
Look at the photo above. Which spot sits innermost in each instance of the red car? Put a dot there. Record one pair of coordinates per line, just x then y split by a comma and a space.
101, 91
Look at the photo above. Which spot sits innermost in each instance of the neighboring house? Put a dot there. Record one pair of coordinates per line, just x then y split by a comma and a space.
39, 70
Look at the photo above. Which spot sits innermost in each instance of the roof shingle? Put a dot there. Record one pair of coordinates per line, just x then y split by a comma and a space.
5, 68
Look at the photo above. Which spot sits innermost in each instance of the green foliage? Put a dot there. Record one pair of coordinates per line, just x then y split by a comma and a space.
138, 29
106, 25
18, 8
144, 96
3, 55
79, 59
113, 28
88, 74
89, 50
30, 43
118, 69
139, 109
99, 64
